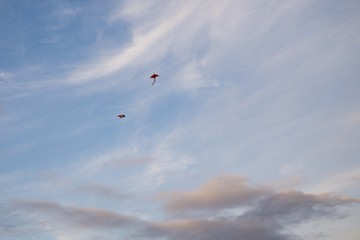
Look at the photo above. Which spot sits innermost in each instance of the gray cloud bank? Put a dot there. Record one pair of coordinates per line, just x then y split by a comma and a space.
226, 207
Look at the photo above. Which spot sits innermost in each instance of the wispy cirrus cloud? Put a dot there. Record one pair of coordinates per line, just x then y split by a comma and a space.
112, 158
144, 47
175, 31
156, 162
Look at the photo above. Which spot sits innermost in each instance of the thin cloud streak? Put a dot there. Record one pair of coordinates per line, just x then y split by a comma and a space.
74, 216
103, 191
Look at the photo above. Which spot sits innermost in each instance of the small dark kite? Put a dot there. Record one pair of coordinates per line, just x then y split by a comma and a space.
154, 76
121, 116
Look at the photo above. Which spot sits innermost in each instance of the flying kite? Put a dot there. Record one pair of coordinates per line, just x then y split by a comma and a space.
121, 116
154, 76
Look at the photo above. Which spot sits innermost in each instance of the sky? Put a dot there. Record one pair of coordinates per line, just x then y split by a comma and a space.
251, 130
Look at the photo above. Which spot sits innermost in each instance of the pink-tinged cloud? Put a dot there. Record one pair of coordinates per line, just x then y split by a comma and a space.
218, 193
228, 192
267, 215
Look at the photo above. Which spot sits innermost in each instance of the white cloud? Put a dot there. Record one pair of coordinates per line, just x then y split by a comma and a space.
190, 77
167, 165
115, 158
63, 9
147, 45
288, 169
344, 181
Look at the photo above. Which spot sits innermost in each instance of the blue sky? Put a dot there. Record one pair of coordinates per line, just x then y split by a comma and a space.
251, 131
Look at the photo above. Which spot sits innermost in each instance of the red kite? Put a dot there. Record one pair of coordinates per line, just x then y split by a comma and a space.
121, 116
154, 76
